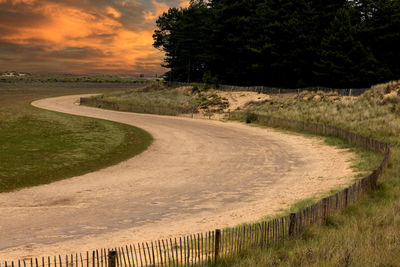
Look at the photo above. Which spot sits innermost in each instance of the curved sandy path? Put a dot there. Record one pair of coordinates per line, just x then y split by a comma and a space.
198, 175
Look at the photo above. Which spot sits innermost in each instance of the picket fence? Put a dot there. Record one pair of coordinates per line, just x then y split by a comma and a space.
276, 90
203, 249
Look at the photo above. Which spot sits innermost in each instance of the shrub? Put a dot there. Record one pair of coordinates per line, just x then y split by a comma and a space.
250, 117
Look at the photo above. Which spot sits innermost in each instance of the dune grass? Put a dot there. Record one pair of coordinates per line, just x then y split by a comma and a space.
38, 146
158, 99
367, 233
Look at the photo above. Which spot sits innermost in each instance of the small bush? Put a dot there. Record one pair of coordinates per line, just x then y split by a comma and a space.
195, 89
251, 117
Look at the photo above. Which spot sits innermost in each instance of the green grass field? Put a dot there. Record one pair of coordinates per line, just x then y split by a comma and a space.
38, 146
11, 77
367, 233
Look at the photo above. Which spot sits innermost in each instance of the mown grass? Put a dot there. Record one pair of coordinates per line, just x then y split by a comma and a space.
367, 233
38, 146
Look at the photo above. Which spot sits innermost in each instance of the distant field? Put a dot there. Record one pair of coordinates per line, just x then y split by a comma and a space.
38, 146
10, 77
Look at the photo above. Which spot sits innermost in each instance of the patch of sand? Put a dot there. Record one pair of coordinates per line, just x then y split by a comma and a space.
241, 99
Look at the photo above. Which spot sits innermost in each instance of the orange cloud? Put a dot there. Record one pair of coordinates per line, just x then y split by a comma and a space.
159, 9
184, 3
111, 11
116, 36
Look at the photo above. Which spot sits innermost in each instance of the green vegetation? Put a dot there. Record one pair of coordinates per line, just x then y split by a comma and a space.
38, 146
375, 113
157, 99
13, 76
332, 43
366, 234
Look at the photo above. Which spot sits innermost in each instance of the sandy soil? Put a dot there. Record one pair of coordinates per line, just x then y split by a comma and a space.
236, 100
240, 99
198, 175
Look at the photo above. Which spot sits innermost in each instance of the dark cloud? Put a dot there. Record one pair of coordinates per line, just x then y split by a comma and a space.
6, 30
80, 36
77, 53
104, 38
16, 18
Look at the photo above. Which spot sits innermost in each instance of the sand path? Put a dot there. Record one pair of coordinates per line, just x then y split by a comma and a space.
198, 175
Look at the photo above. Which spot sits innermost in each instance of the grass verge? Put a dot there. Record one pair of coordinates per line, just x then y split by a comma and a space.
38, 146
157, 99
367, 233
363, 162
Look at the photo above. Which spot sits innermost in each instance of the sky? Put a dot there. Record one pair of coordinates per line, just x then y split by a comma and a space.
81, 36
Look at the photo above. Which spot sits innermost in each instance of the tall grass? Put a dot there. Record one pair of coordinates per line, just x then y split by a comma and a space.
157, 99
367, 234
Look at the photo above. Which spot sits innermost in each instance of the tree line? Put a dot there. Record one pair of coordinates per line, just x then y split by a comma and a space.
285, 43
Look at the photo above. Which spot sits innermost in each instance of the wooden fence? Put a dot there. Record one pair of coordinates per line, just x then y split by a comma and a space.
203, 249
275, 90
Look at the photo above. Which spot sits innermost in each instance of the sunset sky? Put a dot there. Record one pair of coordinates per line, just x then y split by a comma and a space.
81, 36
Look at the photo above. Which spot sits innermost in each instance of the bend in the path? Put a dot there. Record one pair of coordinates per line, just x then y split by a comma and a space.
197, 175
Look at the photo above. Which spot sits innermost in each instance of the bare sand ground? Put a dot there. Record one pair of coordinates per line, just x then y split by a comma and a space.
240, 99
198, 175
237, 100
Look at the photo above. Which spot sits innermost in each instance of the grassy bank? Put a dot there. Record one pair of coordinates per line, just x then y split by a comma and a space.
38, 146
157, 99
367, 233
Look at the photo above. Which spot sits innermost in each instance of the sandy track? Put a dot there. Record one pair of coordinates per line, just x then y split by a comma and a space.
198, 175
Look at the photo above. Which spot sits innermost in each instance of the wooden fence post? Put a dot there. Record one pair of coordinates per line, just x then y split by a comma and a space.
111, 258
325, 209
292, 224
346, 197
217, 241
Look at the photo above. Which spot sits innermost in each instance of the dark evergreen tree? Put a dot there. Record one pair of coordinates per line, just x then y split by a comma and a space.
285, 43
166, 38
344, 61
183, 35
382, 33
233, 39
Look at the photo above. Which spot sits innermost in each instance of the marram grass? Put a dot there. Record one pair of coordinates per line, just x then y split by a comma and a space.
367, 233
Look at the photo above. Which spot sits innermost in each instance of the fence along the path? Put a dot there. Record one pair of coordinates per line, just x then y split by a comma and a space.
275, 90
138, 108
204, 248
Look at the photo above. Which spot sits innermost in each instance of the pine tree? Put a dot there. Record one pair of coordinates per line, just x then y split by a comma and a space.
234, 35
166, 39
384, 35
284, 43
183, 35
344, 61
